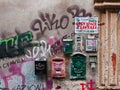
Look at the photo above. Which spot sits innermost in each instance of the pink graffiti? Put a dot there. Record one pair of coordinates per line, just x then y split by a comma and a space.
56, 44
49, 84
52, 40
15, 69
4, 77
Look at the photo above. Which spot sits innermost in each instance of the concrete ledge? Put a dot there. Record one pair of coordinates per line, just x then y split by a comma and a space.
107, 5
106, 0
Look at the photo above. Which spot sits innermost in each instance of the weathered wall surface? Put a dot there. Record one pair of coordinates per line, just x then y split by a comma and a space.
44, 18
19, 14
108, 72
108, 53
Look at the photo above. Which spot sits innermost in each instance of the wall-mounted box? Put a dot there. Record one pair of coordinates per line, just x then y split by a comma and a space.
93, 61
78, 42
67, 46
78, 66
91, 45
41, 66
58, 67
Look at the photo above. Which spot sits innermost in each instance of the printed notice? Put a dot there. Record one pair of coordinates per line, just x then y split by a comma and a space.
88, 25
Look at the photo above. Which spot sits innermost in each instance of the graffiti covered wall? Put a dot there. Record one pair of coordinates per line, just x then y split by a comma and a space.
44, 19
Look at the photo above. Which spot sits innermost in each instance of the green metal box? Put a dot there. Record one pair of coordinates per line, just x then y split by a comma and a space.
78, 66
67, 46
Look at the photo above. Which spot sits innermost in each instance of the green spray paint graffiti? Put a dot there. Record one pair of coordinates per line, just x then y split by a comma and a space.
15, 45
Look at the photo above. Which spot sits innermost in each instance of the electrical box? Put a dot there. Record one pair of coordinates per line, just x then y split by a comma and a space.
78, 42
78, 66
67, 46
93, 61
41, 66
58, 67
91, 45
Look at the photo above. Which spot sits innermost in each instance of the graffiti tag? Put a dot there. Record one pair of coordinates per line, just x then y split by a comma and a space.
88, 85
48, 21
15, 45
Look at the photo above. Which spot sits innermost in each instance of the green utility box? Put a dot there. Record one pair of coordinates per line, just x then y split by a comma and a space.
67, 46
78, 66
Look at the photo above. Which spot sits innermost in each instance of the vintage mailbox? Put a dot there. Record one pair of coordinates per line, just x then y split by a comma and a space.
91, 45
41, 66
67, 46
58, 67
78, 66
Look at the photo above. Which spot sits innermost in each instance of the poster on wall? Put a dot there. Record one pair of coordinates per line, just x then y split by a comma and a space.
91, 45
88, 25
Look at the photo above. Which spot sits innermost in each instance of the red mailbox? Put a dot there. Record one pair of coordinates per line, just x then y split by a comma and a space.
58, 67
